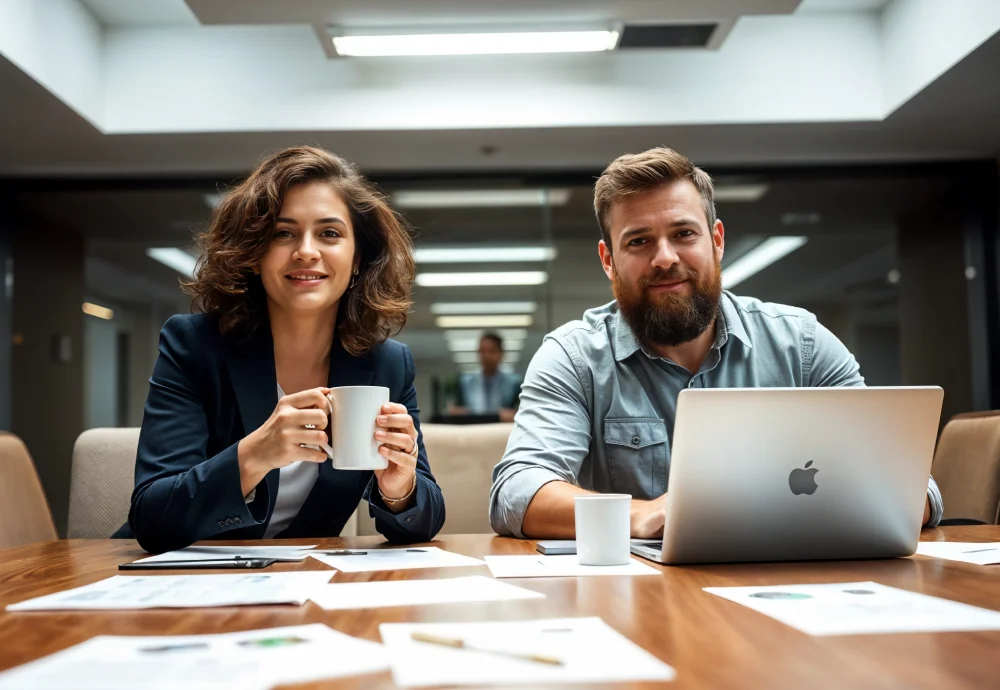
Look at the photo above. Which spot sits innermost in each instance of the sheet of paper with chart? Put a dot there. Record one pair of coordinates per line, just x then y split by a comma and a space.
368, 560
560, 566
967, 552
857, 608
182, 591
364, 595
213, 553
587, 649
254, 660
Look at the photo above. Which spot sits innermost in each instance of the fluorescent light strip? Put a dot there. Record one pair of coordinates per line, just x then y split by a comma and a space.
473, 357
486, 321
175, 258
477, 279
740, 192
477, 333
476, 43
98, 311
484, 308
760, 257
472, 345
479, 198
461, 255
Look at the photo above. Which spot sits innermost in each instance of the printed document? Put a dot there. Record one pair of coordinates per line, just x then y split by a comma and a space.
181, 591
365, 595
560, 566
368, 560
858, 608
254, 660
218, 553
589, 651
980, 554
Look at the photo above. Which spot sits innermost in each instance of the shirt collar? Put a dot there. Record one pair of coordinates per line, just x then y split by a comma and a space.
626, 344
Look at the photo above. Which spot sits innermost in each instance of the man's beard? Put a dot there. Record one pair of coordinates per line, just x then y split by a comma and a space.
672, 318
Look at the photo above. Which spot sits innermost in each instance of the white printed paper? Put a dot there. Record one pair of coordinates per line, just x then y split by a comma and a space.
858, 608
368, 560
181, 591
254, 660
560, 566
216, 553
364, 595
980, 554
590, 652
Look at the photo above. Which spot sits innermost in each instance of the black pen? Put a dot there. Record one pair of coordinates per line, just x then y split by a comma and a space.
218, 563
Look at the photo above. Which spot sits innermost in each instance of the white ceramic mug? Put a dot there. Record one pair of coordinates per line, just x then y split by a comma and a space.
603, 529
353, 410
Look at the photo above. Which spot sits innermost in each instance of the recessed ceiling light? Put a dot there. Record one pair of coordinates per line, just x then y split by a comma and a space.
479, 198
175, 258
98, 311
476, 279
473, 357
472, 345
477, 333
807, 218
461, 255
484, 308
476, 43
759, 258
484, 321
740, 192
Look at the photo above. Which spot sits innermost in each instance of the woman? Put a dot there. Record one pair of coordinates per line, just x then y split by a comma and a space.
305, 272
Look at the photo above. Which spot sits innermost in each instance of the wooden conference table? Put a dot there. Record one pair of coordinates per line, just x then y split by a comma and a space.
711, 642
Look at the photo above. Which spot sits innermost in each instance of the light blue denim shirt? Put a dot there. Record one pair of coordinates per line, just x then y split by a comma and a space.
591, 390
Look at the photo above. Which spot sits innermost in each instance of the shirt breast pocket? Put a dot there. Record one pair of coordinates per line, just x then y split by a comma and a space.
637, 454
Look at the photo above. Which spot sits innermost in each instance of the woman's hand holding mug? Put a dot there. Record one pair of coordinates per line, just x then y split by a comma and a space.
295, 431
395, 431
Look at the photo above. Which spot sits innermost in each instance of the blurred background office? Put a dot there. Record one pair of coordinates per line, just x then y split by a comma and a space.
854, 144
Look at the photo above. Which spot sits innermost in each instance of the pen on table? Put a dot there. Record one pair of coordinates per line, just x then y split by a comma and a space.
458, 643
980, 550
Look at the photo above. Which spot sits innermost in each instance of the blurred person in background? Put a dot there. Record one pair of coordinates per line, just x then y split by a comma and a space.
488, 391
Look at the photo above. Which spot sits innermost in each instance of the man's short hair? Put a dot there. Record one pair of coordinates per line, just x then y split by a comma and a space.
641, 172
494, 337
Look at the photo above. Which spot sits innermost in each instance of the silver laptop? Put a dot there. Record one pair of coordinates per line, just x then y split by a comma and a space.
788, 474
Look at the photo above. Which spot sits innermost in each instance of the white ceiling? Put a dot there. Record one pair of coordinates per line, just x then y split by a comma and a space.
841, 6
132, 13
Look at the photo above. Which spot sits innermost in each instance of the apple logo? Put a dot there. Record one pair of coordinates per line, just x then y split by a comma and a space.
803, 481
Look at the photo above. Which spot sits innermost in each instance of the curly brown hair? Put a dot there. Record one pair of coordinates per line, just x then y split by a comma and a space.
240, 233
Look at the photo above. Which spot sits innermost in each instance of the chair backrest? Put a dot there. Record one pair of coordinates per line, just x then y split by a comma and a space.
462, 460
967, 466
101, 483
24, 513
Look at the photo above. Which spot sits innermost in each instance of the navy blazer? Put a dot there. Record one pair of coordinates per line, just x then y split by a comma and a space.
206, 393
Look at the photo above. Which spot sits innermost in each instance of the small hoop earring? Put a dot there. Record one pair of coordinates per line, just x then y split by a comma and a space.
353, 279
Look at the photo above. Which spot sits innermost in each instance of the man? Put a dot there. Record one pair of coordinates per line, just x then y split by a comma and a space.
489, 391
599, 398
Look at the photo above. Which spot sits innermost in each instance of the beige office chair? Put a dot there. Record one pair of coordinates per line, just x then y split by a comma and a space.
967, 466
102, 482
24, 512
462, 459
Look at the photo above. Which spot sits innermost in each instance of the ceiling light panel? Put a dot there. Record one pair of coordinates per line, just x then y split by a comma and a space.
505, 43
479, 198
439, 308
476, 279
760, 257
477, 333
484, 321
175, 258
461, 255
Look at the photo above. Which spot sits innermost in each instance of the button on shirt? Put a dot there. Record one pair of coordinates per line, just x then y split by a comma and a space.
597, 410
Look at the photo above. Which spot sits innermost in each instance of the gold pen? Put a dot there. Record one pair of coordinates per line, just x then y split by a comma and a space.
462, 644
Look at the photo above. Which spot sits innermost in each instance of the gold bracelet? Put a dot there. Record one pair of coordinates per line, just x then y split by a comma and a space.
394, 501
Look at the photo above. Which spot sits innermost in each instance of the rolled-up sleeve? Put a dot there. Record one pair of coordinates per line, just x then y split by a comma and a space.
937, 504
551, 436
